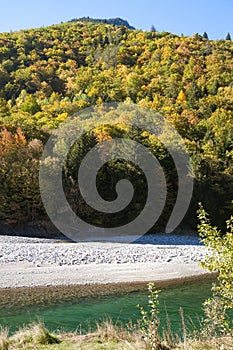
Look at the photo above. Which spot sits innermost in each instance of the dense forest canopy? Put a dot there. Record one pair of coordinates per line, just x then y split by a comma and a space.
114, 21
48, 74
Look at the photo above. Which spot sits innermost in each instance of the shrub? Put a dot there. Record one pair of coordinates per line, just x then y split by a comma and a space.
220, 260
149, 322
35, 334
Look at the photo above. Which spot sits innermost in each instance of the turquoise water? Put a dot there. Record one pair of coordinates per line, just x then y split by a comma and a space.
82, 314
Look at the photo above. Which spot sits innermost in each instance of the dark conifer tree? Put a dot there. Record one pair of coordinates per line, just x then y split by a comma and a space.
228, 37
205, 36
152, 29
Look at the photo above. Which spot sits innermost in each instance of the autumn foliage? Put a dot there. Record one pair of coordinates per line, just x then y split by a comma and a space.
48, 74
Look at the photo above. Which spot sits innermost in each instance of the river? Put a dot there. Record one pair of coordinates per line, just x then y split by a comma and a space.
81, 314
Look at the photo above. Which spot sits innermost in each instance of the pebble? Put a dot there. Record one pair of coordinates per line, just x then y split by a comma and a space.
158, 248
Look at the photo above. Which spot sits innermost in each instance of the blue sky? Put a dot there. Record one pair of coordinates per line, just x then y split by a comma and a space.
187, 17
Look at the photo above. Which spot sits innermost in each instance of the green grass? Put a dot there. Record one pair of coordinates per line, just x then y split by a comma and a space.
108, 336
36, 336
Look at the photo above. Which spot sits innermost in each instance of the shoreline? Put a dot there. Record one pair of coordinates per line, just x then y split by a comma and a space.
18, 275
28, 265
11, 297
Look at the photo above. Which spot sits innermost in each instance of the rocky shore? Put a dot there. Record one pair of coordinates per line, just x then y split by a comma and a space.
33, 261
153, 248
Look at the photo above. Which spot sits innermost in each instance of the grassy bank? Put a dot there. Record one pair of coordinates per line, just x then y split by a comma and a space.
107, 336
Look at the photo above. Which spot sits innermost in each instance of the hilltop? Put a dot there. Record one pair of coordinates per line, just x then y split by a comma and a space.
113, 21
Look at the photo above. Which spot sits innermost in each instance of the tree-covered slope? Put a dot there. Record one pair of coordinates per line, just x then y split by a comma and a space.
48, 74
114, 21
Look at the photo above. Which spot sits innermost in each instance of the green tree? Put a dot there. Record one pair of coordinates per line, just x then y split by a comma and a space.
4, 108
153, 29
220, 257
205, 36
194, 94
30, 105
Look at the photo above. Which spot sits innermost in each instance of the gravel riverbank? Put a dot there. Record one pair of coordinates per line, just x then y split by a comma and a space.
37, 262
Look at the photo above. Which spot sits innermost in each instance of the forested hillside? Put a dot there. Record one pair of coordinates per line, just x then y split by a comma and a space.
48, 74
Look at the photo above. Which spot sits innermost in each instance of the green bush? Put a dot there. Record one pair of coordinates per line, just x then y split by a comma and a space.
220, 260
